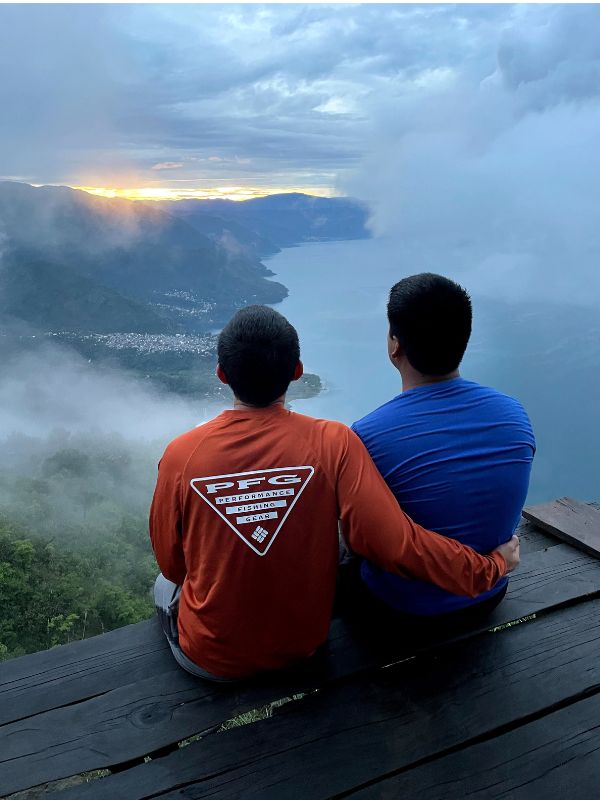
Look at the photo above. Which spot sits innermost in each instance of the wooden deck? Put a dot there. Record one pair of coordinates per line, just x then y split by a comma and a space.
512, 713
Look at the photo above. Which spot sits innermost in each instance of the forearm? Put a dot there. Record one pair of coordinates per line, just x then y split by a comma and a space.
413, 551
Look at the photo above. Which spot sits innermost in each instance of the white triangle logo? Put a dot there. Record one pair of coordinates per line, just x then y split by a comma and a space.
254, 504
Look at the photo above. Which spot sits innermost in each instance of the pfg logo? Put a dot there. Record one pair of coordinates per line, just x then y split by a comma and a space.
263, 496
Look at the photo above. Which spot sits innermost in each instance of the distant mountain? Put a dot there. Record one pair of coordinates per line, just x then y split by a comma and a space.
136, 249
267, 224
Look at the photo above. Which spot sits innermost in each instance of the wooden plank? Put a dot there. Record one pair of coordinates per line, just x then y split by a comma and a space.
81, 670
533, 539
137, 719
34, 664
574, 522
536, 584
72, 673
359, 731
552, 758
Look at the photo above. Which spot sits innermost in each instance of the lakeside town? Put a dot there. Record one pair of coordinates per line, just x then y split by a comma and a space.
146, 343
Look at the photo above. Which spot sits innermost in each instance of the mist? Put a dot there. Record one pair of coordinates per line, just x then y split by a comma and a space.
53, 388
80, 442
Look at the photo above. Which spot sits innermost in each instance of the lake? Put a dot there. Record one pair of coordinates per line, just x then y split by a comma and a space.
545, 354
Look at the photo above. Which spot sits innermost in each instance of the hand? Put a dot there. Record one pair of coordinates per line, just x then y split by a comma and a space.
510, 551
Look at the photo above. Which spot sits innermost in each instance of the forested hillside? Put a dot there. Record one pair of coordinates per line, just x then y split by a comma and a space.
75, 559
52, 594
51, 296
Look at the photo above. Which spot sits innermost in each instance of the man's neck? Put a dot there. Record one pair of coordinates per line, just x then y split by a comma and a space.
239, 405
411, 379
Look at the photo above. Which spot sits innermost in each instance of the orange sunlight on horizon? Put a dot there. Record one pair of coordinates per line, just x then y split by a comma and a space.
217, 192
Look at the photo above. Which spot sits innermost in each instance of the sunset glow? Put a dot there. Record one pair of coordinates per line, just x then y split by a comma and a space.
212, 193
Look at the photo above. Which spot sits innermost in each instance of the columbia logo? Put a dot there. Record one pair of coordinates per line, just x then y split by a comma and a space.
260, 534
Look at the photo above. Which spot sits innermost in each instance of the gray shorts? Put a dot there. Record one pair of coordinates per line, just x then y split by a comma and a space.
166, 600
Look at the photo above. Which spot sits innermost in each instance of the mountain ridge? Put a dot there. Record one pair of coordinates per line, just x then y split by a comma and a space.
281, 220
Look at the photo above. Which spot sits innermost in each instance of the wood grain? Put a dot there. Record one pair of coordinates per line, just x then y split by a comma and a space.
362, 730
553, 758
573, 522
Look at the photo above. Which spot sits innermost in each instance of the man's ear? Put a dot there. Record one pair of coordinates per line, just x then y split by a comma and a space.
221, 375
394, 348
299, 371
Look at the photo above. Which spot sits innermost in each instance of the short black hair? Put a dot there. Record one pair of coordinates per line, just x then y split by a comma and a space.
431, 317
258, 351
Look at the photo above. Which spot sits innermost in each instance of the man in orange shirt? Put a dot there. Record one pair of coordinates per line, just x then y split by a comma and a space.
244, 519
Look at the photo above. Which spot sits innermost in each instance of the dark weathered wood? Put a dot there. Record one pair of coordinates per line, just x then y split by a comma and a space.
36, 665
533, 539
546, 579
574, 522
553, 758
72, 673
362, 730
137, 719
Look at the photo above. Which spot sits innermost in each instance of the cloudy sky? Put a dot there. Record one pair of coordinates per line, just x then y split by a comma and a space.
289, 96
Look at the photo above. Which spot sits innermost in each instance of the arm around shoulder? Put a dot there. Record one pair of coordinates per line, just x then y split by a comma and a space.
377, 529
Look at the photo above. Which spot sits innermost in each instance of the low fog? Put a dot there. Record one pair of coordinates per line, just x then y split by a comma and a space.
80, 443
54, 388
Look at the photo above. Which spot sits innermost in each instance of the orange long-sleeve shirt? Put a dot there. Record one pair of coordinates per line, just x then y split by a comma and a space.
244, 516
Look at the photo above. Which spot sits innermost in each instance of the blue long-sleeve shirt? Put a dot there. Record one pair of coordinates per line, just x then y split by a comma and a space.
458, 458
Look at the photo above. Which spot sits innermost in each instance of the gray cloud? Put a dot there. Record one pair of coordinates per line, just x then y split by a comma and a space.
553, 57
491, 175
167, 165
62, 75
108, 90
79, 443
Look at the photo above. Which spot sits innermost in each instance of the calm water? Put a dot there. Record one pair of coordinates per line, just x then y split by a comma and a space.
548, 356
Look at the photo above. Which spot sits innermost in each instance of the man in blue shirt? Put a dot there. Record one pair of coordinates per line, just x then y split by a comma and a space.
456, 455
